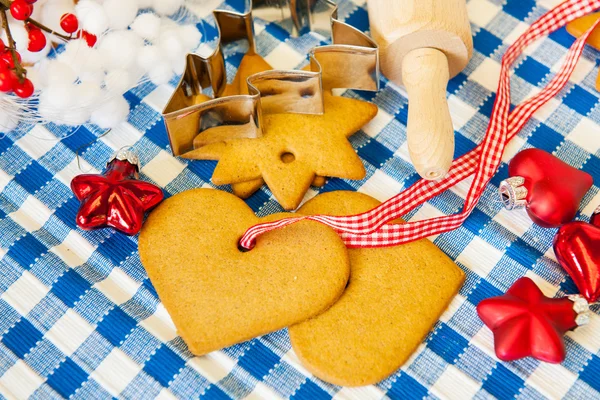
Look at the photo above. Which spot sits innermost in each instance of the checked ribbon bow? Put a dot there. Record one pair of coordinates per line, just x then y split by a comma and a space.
370, 229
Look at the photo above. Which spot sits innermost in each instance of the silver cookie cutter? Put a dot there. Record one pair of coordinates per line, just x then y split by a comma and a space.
194, 119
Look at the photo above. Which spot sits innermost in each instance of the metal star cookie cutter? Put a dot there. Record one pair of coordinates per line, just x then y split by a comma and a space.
194, 119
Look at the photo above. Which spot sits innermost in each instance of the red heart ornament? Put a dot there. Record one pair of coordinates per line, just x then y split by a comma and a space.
577, 248
550, 189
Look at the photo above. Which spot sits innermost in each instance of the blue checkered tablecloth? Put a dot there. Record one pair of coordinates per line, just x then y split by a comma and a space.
79, 317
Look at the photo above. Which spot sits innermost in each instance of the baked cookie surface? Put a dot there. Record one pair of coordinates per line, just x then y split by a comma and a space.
296, 149
394, 297
217, 295
250, 64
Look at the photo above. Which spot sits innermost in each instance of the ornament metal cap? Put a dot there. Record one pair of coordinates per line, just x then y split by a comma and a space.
512, 193
582, 308
125, 154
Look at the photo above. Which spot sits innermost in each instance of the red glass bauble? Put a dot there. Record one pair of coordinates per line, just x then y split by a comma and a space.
116, 198
577, 248
525, 323
596, 218
550, 189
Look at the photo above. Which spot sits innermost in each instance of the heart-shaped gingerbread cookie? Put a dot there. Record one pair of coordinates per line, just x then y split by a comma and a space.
217, 295
394, 297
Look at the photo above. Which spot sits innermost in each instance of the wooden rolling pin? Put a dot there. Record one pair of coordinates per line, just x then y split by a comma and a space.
423, 44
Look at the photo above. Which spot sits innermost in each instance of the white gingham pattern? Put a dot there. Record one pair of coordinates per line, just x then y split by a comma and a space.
80, 319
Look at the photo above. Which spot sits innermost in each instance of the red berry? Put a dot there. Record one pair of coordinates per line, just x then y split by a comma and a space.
2, 46
7, 59
88, 37
69, 23
6, 80
24, 89
37, 40
30, 1
20, 10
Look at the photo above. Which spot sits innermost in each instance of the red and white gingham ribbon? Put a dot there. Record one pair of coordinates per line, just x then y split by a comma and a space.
370, 229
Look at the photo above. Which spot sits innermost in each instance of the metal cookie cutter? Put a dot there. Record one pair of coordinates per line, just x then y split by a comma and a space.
194, 119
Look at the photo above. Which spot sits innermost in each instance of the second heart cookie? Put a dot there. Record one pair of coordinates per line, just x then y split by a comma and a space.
217, 295
394, 297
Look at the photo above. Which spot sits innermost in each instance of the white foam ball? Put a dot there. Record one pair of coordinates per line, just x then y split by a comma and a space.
75, 116
111, 113
119, 49
136, 73
19, 34
57, 97
145, 3
36, 13
95, 77
59, 72
147, 26
71, 51
120, 13
92, 16
148, 57
42, 68
88, 94
170, 44
160, 74
179, 65
118, 81
167, 7
167, 24
32, 57
190, 36
35, 76
81, 57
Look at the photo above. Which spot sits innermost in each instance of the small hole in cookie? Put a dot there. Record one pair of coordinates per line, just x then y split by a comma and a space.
242, 249
288, 157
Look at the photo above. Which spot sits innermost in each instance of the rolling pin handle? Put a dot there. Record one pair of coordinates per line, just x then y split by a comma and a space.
429, 130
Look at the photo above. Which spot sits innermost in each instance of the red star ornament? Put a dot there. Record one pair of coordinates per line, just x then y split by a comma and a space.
525, 323
115, 199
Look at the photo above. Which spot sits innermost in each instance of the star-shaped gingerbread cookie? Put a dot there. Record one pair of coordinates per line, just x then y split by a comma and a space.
294, 150
251, 64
